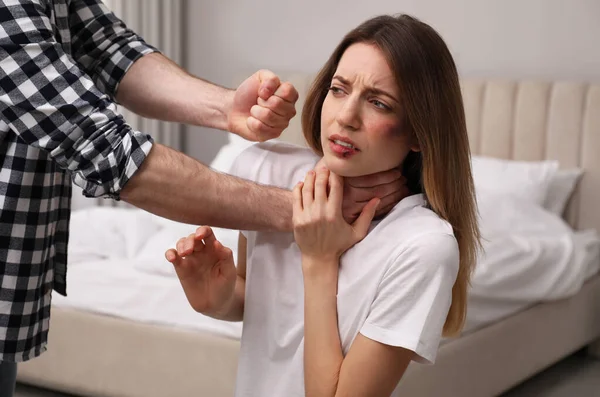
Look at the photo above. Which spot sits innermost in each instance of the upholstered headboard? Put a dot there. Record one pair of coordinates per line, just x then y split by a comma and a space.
529, 120
525, 120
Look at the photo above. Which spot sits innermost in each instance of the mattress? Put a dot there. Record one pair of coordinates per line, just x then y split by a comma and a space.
123, 273
116, 288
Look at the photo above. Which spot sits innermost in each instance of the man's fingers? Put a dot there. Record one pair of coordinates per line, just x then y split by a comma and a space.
278, 106
287, 92
352, 209
373, 180
262, 131
381, 211
269, 117
394, 197
269, 82
364, 194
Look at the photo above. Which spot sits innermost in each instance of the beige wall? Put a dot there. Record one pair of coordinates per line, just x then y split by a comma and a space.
505, 38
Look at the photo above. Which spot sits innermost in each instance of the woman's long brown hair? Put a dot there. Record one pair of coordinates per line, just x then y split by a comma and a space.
428, 82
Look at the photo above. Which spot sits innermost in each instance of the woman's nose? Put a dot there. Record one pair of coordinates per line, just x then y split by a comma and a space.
349, 114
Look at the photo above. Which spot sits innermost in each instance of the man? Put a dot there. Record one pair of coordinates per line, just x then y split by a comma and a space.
63, 64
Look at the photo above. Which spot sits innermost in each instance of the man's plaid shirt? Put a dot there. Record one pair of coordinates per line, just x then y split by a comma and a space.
60, 65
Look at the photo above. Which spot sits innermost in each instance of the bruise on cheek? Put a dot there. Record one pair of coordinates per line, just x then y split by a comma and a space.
392, 130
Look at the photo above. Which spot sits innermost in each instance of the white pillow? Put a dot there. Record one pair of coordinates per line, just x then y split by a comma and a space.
527, 180
501, 215
561, 188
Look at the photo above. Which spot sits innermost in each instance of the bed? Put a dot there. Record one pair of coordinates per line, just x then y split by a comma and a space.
108, 341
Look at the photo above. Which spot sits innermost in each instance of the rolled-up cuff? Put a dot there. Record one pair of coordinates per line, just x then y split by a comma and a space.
116, 167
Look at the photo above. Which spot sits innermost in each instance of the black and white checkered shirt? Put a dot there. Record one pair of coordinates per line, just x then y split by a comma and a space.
60, 64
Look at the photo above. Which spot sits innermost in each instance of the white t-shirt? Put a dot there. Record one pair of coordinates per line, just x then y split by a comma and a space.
395, 286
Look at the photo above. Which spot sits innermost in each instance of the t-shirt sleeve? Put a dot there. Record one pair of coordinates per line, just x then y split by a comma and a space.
274, 163
414, 296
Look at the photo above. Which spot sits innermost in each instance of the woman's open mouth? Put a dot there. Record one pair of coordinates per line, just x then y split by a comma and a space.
342, 147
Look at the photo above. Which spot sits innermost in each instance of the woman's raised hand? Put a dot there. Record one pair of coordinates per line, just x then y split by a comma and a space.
206, 271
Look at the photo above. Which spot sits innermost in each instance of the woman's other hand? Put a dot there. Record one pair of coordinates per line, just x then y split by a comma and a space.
319, 227
389, 186
206, 271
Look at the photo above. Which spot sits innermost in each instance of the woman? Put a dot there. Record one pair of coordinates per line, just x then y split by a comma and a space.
339, 309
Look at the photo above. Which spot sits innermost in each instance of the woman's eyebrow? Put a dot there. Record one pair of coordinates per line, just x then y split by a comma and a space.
381, 92
341, 79
372, 90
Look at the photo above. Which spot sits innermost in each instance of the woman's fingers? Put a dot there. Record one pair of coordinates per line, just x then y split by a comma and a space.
190, 244
180, 246
204, 237
222, 252
361, 225
321, 182
336, 191
171, 256
308, 189
297, 199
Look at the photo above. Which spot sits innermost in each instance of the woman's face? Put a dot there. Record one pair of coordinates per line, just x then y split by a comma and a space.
361, 117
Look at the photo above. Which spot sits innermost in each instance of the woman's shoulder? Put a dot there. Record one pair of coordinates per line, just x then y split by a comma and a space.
415, 233
275, 163
412, 217
427, 255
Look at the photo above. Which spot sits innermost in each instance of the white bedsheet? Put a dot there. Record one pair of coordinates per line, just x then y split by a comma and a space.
116, 288
117, 265
117, 268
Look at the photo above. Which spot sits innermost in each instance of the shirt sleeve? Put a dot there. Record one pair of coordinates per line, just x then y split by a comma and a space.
414, 296
102, 45
53, 105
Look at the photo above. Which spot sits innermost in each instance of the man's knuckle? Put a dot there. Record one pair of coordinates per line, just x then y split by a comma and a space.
378, 191
286, 89
276, 102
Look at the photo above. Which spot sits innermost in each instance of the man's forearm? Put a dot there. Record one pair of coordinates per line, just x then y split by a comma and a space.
155, 87
175, 186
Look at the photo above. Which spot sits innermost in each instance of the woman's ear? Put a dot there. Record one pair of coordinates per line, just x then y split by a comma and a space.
414, 143
415, 148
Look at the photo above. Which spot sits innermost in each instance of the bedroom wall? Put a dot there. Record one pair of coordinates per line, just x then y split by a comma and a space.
506, 38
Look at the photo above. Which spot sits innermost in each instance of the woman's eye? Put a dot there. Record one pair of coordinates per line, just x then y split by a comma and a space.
380, 105
336, 90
